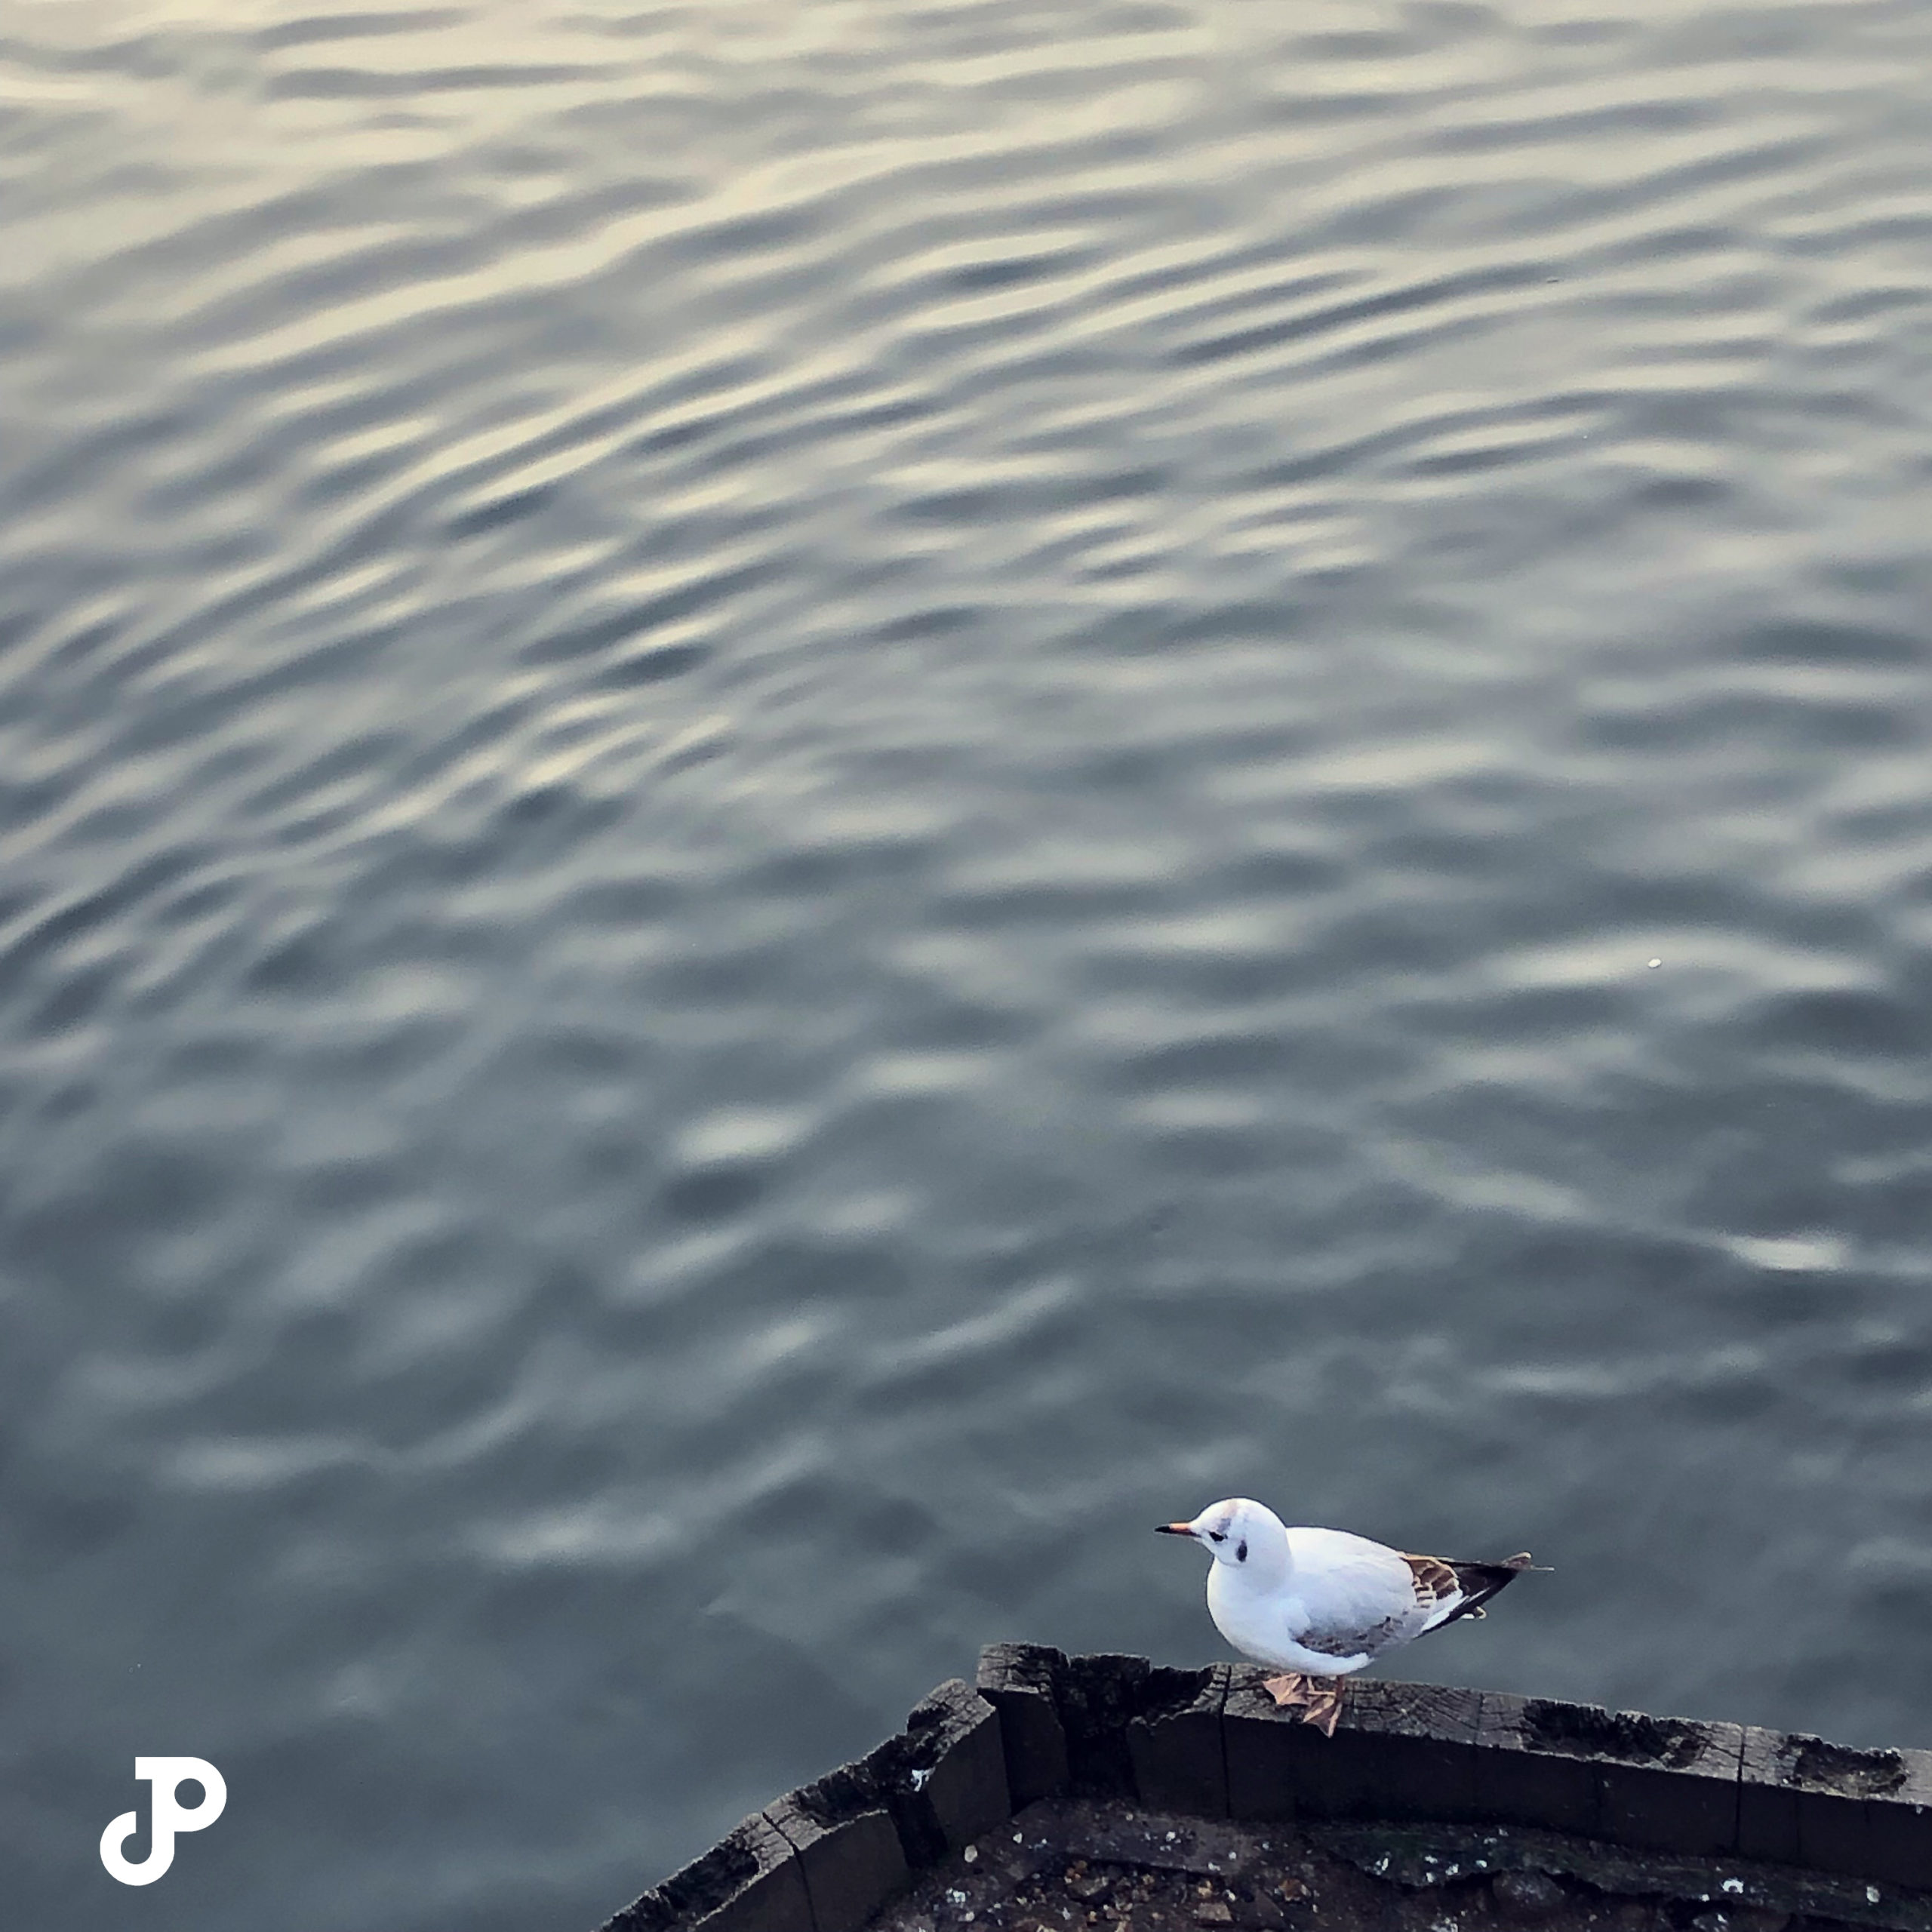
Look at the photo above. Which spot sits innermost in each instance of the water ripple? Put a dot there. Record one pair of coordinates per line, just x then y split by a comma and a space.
794, 801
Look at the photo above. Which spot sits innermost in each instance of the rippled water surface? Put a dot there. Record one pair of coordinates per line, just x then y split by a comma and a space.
802, 803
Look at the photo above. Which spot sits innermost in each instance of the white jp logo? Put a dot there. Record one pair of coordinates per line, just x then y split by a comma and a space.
166, 1775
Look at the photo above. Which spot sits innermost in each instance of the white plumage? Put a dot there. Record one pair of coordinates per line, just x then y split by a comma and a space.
1319, 1603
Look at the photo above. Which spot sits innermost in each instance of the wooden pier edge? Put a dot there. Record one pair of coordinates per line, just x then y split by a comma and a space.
1210, 1743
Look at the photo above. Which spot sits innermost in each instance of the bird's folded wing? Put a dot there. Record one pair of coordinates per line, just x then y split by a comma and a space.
1439, 1589
1474, 1584
1356, 1595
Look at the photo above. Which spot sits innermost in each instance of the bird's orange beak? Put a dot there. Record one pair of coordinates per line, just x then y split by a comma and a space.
1173, 1529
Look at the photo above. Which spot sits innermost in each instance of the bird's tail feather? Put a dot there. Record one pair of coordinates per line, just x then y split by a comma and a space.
1481, 1581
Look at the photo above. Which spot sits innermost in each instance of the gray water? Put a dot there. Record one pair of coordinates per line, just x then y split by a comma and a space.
802, 805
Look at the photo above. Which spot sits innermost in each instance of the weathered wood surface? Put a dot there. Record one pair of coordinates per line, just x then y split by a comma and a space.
1209, 1744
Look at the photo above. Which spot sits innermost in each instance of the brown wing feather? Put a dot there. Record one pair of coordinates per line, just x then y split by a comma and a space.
1435, 1581
1439, 1578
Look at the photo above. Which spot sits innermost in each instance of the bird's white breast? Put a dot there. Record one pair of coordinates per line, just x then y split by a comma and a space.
1255, 1622
1344, 1595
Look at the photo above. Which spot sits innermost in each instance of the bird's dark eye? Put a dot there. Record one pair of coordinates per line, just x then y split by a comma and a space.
1241, 1551
1215, 1536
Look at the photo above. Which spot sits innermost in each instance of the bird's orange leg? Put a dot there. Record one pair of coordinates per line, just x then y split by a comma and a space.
1319, 1699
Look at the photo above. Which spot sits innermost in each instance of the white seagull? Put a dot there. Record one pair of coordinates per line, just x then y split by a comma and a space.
1319, 1603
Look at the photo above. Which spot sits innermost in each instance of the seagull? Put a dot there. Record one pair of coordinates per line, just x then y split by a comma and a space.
1319, 1603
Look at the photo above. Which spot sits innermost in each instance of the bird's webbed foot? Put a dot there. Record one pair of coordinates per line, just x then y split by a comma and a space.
1318, 1699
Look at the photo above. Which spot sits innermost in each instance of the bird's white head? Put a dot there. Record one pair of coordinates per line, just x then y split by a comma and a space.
1246, 1536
